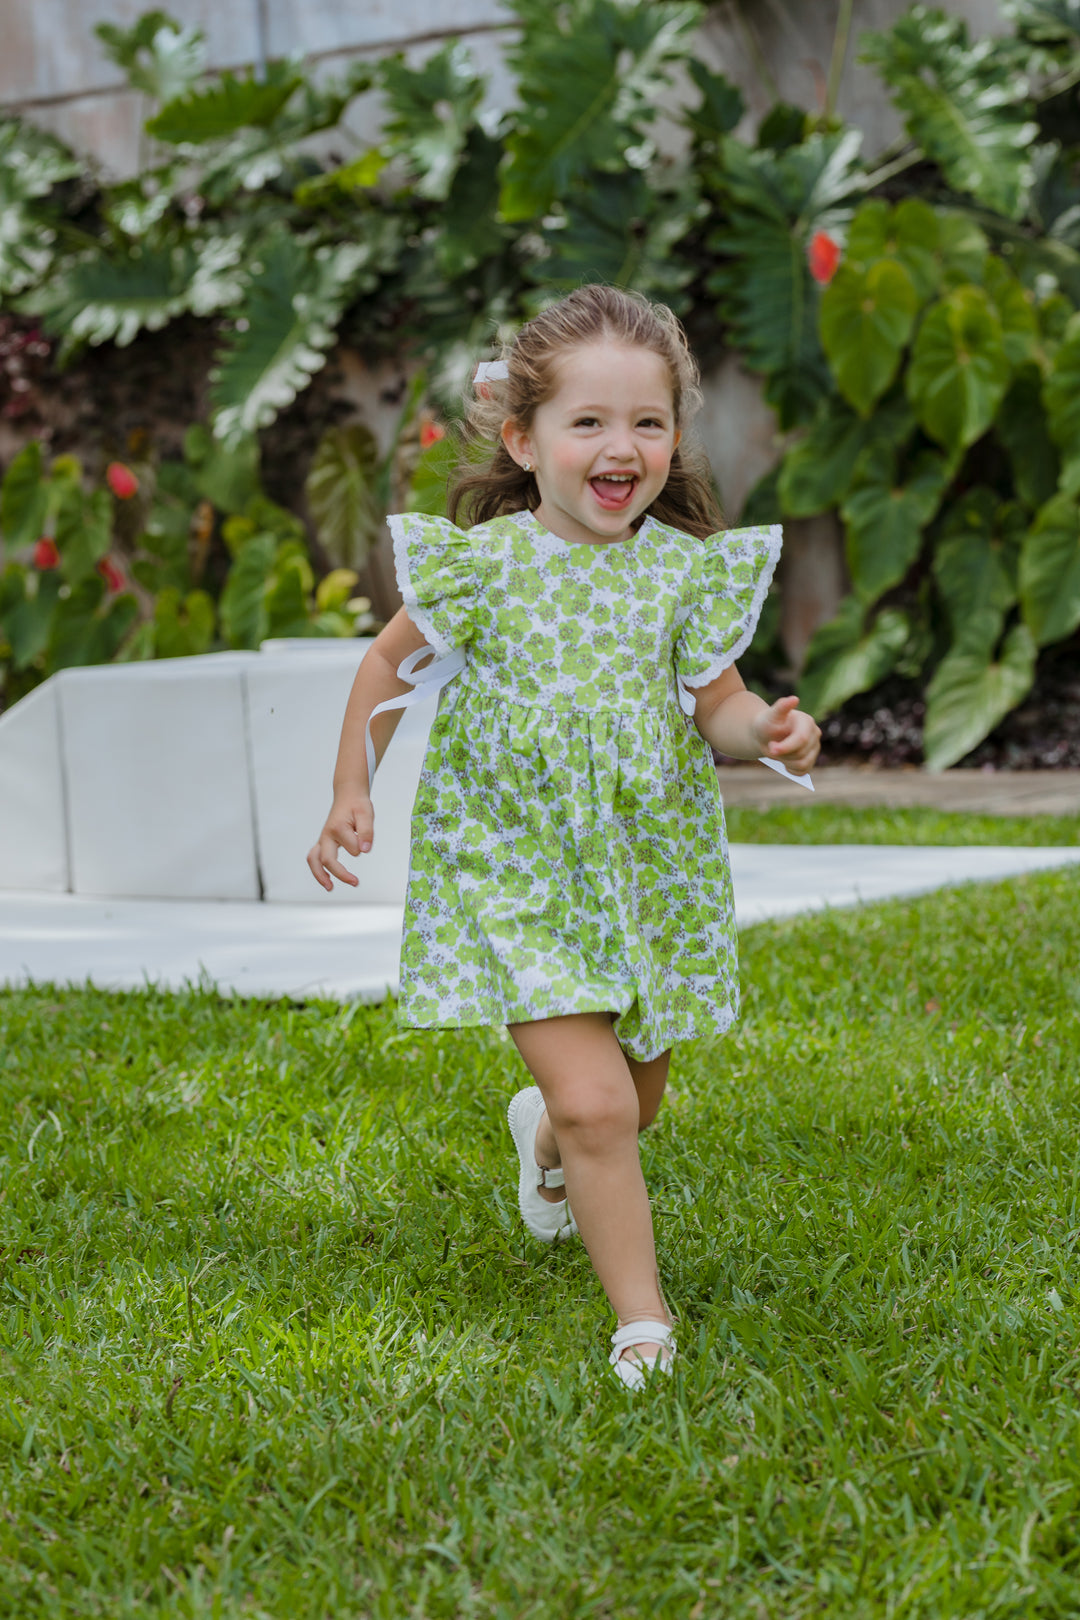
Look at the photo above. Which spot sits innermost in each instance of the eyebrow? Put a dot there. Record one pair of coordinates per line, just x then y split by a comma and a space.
576, 410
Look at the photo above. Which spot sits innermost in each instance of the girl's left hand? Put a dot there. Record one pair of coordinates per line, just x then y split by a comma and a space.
787, 733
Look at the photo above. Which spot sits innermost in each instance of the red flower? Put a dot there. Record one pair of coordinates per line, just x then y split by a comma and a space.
824, 256
45, 554
121, 480
112, 574
430, 434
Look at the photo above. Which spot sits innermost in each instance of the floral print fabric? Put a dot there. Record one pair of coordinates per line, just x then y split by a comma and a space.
568, 844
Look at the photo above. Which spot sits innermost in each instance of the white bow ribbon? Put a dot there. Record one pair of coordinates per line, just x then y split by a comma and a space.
422, 682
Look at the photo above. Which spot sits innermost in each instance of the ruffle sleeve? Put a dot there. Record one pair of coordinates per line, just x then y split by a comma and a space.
441, 575
729, 584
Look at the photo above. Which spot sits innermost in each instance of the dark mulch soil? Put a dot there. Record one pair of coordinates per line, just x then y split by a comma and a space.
884, 727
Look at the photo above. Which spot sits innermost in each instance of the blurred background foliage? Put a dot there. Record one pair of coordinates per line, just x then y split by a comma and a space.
915, 323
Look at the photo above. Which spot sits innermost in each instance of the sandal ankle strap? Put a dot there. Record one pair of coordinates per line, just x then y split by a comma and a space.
550, 1178
644, 1332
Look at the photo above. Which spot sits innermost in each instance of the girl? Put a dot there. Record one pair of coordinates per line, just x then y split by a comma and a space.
569, 873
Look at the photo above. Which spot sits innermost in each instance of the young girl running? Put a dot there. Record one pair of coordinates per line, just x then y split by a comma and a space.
569, 874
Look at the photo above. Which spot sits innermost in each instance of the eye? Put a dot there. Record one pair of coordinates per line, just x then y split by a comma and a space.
585, 421
651, 421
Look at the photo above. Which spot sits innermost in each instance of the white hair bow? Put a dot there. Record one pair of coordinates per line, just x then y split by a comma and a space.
491, 371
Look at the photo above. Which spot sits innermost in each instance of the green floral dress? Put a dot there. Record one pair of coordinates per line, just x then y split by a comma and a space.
568, 843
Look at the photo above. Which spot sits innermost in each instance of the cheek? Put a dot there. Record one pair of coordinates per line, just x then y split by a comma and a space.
568, 457
658, 459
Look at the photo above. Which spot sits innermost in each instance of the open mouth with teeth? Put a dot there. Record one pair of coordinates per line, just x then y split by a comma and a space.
614, 490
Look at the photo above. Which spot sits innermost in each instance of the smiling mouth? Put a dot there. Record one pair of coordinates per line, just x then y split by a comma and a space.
614, 490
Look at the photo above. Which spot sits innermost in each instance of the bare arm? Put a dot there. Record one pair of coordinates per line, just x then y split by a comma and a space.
737, 722
351, 823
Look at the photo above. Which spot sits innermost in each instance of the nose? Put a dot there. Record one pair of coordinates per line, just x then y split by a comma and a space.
620, 444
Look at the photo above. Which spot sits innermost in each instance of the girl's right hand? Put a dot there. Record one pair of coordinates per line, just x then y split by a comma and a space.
349, 826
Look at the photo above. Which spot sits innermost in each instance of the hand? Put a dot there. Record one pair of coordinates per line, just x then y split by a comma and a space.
350, 826
787, 733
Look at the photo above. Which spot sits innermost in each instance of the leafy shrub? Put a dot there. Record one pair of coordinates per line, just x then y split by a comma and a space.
914, 322
161, 561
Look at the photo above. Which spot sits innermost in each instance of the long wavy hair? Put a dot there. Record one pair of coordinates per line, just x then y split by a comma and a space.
590, 314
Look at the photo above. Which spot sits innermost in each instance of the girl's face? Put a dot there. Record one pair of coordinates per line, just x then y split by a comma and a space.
601, 445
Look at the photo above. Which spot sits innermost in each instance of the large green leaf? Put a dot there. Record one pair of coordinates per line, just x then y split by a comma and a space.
342, 494
471, 230
99, 299
31, 161
719, 110
866, 319
1015, 307
1022, 427
959, 370
295, 300
817, 471
31, 164
430, 111
251, 159
848, 656
1050, 571
1047, 21
344, 184
87, 628
431, 479
909, 233
242, 608
288, 595
961, 102
975, 563
777, 201
83, 530
226, 475
23, 498
229, 105
589, 76
219, 276
1055, 196
885, 518
1061, 396
157, 54
27, 243
970, 693
768, 298
620, 230
28, 601
183, 625
134, 207
962, 248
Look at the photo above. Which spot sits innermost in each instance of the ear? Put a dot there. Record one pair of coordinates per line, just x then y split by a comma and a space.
517, 442
678, 436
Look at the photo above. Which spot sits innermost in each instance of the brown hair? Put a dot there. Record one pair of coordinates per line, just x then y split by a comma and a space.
587, 315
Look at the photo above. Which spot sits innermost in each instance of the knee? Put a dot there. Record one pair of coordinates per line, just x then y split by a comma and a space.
596, 1118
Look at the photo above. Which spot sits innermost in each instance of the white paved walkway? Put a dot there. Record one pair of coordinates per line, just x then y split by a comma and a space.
352, 951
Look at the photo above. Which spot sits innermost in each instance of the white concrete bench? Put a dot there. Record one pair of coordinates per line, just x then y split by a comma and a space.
196, 779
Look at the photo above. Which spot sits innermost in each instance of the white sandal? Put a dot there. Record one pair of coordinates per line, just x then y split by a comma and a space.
635, 1371
545, 1220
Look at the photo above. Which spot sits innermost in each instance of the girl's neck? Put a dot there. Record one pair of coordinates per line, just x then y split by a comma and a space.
564, 527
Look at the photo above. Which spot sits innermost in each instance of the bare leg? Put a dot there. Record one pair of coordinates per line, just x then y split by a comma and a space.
595, 1107
650, 1082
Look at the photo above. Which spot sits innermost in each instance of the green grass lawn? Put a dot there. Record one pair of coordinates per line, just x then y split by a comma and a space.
808, 823
274, 1343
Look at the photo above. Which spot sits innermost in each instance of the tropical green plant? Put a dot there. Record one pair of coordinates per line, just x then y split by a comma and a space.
948, 438
161, 560
914, 320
